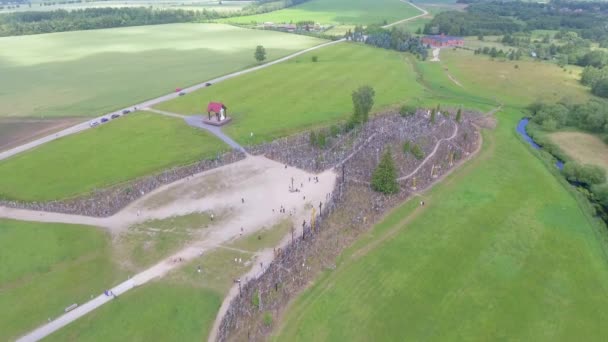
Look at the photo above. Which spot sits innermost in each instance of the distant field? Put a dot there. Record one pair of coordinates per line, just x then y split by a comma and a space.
47, 267
300, 94
500, 251
86, 73
130, 147
15, 131
583, 147
337, 12
226, 5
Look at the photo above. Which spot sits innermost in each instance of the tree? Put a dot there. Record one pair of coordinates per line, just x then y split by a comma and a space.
384, 179
433, 114
363, 101
587, 174
260, 53
315, 59
459, 115
601, 88
417, 152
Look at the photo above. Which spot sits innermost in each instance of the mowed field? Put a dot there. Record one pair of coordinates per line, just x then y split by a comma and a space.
86, 73
501, 250
583, 147
133, 146
46, 268
300, 94
337, 12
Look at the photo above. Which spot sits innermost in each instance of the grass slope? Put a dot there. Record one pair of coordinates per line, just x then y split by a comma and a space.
157, 312
87, 73
133, 146
301, 94
47, 267
337, 12
501, 251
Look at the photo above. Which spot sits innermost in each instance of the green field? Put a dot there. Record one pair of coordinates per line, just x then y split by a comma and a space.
337, 12
133, 146
300, 94
157, 312
226, 6
86, 73
501, 251
46, 268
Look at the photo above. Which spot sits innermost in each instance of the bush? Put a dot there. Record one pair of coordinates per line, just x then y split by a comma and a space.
363, 101
406, 147
334, 130
318, 139
384, 179
255, 300
267, 319
315, 59
417, 152
407, 110
586, 174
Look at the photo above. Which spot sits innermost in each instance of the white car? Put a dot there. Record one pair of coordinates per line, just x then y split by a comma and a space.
93, 123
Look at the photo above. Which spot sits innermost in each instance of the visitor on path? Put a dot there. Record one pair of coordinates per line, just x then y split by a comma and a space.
243, 200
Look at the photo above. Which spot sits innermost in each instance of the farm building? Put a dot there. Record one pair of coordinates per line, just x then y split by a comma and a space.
442, 41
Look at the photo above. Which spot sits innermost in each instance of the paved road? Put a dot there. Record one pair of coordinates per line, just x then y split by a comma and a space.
85, 125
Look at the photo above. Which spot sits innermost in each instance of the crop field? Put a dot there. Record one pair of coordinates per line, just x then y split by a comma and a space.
501, 250
87, 73
301, 94
583, 147
337, 12
132, 146
47, 267
15, 131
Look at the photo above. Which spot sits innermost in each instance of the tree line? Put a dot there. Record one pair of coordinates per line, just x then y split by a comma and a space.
35, 22
507, 17
393, 39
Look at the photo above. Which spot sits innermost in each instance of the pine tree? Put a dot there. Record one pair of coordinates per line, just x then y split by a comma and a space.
384, 179
433, 113
459, 115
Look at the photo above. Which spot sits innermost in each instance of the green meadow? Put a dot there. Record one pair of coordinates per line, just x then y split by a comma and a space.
46, 267
336, 12
501, 250
132, 146
87, 73
300, 94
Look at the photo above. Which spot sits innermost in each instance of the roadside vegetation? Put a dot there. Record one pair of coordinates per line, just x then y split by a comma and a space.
133, 146
47, 267
131, 65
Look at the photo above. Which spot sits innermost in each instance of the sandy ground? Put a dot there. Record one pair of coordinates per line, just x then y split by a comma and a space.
251, 190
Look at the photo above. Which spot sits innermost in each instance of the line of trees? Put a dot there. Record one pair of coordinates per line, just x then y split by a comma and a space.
35, 22
506, 17
393, 39
591, 116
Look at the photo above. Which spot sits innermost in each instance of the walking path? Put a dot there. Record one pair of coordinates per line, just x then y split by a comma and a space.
431, 154
424, 12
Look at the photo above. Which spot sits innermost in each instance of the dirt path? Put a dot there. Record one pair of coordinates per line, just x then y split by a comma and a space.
251, 190
424, 12
431, 154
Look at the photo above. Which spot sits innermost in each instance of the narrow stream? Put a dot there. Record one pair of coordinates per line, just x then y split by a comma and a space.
521, 129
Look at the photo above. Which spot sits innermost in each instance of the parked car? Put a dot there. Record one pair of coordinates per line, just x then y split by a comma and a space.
182, 93
104, 120
115, 116
126, 111
207, 84
93, 123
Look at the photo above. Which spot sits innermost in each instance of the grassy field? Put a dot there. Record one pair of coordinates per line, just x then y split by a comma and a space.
337, 12
159, 311
227, 6
130, 147
301, 94
501, 251
47, 267
583, 147
85, 73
